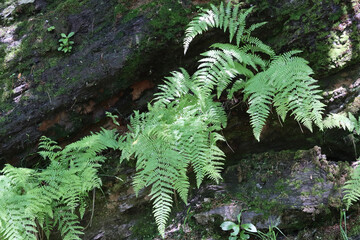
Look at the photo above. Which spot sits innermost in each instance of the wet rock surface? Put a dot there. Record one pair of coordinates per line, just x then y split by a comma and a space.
59, 94
292, 190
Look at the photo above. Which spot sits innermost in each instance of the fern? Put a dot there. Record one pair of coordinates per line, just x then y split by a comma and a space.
352, 188
286, 84
226, 17
173, 134
344, 121
283, 81
350, 123
180, 127
49, 197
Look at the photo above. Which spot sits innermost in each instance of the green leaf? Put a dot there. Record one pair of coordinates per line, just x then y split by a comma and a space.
249, 227
228, 225
63, 35
70, 35
236, 231
239, 217
244, 236
51, 28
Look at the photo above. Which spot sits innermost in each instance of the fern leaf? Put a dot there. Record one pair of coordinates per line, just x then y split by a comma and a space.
175, 87
335, 120
233, 24
227, 17
260, 98
242, 24
352, 188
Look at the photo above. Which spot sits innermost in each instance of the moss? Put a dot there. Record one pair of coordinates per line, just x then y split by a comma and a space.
67, 7
146, 227
37, 41
280, 186
320, 180
130, 16
265, 206
296, 184
354, 230
169, 20
121, 8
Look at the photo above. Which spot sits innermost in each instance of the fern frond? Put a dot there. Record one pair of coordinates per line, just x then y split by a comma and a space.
352, 188
175, 87
261, 95
336, 120
96, 143
237, 86
221, 66
69, 226
296, 90
28, 197
173, 134
227, 17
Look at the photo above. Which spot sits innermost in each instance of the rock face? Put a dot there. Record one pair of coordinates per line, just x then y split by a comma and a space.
295, 189
47, 92
291, 190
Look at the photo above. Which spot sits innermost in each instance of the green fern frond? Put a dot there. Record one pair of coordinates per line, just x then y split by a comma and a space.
222, 65
287, 85
173, 134
69, 225
96, 143
336, 120
352, 188
227, 17
261, 95
237, 86
175, 87
296, 90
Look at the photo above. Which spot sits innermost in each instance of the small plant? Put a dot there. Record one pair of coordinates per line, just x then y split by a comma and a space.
51, 28
113, 118
343, 231
271, 234
239, 230
189, 214
243, 231
65, 43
